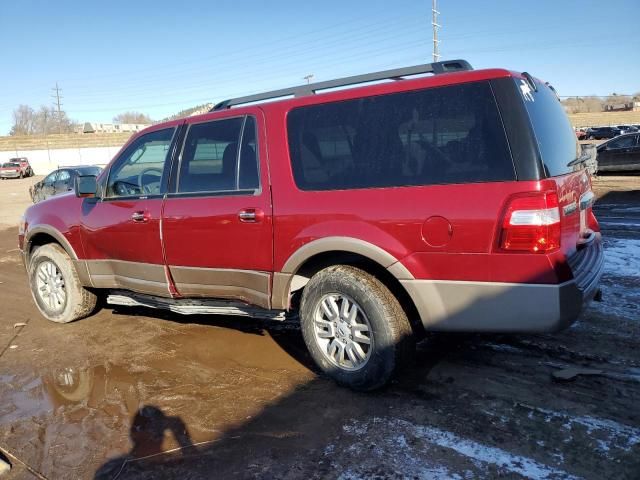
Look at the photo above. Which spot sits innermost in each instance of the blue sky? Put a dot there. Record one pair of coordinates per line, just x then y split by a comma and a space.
160, 57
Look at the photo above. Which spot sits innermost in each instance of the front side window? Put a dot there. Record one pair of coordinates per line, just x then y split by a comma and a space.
49, 179
434, 136
219, 156
138, 171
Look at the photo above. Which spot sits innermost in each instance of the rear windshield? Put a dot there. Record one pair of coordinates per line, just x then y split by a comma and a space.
556, 138
89, 170
439, 135
10, 165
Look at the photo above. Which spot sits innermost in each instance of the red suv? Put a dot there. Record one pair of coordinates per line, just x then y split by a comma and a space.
451, 202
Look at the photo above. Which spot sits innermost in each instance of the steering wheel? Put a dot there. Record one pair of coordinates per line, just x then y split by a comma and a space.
147, 188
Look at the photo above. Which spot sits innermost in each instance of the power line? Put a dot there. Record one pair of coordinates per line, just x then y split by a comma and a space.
435, 26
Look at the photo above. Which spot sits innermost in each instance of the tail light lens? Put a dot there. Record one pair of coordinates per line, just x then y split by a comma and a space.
531, 224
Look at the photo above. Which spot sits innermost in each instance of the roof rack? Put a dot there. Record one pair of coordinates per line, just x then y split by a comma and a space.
310, 89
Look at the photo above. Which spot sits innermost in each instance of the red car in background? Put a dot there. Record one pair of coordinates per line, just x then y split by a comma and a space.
581, 134
17, 167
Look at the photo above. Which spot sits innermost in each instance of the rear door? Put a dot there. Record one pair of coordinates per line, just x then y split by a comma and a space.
217, 222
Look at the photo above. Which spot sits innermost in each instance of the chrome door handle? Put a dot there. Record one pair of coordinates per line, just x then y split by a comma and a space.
251, 215
139, 217
247, 215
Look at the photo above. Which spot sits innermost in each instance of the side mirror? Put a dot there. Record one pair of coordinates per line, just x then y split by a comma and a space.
86, 186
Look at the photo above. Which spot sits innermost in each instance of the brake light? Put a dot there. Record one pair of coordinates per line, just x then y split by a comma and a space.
531, 224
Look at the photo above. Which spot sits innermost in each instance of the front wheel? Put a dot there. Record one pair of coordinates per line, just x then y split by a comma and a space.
55, 286
354, 327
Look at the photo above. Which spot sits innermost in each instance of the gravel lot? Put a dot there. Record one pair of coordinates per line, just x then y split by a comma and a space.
140, 394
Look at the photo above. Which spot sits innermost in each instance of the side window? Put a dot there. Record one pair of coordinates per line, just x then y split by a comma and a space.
433, 136
138, 171
49, 179
216, 159
623, 142
63, 176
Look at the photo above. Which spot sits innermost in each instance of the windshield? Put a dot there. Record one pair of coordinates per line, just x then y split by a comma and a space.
556, 139
10, 165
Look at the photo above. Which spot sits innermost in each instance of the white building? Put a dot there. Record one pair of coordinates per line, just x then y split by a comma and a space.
95, 127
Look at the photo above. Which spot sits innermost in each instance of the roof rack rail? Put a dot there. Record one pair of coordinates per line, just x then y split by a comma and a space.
310, 89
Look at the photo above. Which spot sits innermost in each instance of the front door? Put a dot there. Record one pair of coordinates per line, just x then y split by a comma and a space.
217, 223
121, 229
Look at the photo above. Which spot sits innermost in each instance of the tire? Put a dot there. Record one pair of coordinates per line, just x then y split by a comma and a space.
378, 318
50, 265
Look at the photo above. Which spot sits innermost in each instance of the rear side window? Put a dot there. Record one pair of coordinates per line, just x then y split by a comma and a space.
220, 156
441, 135
556, 138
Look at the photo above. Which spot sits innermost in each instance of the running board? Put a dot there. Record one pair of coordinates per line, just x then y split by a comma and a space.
190, 306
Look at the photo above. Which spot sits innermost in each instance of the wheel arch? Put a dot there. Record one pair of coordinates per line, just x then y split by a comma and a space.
43, 235
315, 256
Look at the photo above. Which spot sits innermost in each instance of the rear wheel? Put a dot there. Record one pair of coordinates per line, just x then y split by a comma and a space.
354, 327
55, 286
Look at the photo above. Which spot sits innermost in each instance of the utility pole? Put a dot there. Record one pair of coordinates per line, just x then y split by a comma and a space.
308, 78
57, 97
436, 26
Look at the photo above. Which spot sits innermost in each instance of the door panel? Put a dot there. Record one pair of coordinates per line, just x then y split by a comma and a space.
217, 226
121, 232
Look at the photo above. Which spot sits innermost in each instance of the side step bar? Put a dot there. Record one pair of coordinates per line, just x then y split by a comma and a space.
190, 306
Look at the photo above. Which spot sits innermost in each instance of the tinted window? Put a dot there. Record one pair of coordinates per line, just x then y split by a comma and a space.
49, 179
215, 159
556, 139
139, 169
622, 142
89, 170
440, 135
63, 176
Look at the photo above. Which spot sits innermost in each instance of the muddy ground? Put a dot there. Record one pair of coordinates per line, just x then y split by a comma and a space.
140, 394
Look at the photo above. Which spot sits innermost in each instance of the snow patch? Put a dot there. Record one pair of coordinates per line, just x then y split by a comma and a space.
622, 257
521, 465
606, 433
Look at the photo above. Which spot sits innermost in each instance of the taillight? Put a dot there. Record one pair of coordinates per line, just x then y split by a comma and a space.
531, 223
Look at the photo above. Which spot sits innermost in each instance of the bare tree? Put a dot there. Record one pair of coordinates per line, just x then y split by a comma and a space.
23, 121
615, 99
132, 117
583, 104
26, 121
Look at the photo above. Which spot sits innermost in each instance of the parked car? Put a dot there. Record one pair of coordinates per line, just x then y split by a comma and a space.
59, 181
620, 154
626, 129
599, 133
24, 164
451, 202
12, 170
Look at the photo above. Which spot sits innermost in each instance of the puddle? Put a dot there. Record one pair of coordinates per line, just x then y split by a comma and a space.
184, 386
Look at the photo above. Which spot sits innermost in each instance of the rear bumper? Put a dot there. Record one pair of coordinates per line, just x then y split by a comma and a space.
508, 307
9, 174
